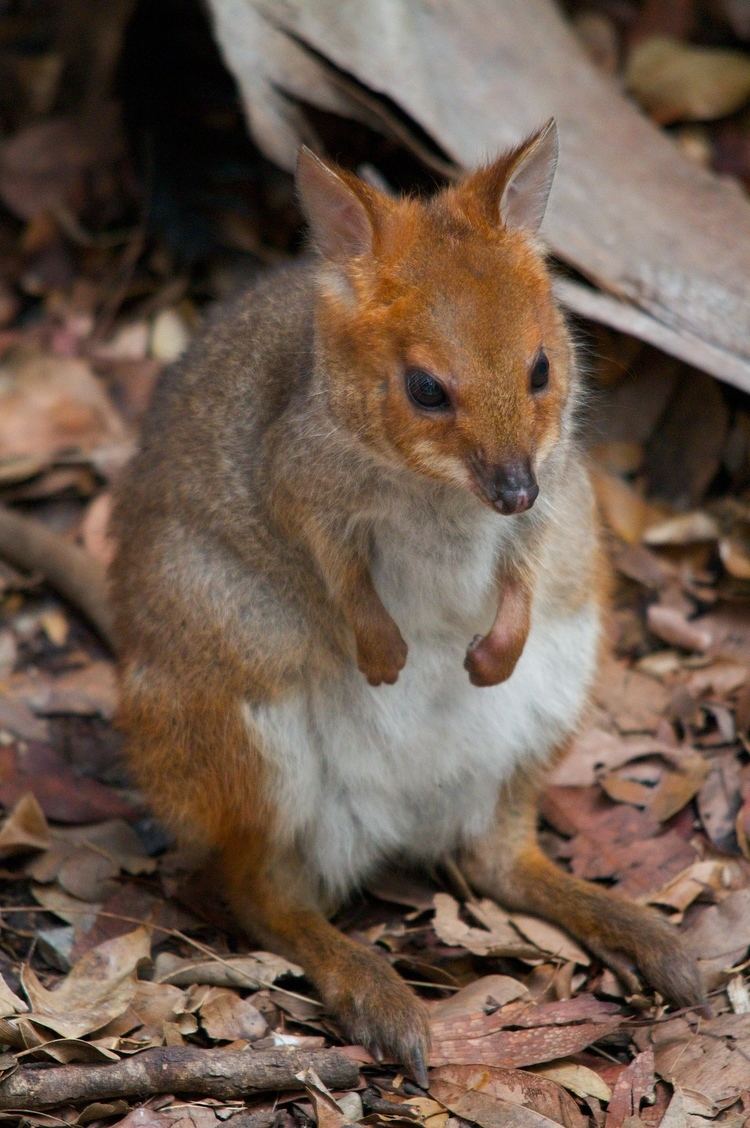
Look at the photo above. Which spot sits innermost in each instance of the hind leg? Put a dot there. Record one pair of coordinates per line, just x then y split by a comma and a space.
509, 866
373, 1004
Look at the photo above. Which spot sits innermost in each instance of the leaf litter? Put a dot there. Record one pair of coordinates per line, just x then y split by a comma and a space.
103, 953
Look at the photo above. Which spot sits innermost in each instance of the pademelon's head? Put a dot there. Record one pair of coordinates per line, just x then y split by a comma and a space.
441, 343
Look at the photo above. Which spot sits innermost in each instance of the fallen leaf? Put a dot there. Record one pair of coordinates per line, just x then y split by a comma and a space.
481, 996
701, 877
153, 1008
98, 989
686, 528
624, 510
86, 860
225, 1017
88, 691
261, 969
719, 801
495, 1097
62, 794
549, 938
25, 828
523, 1033
328, 1113
673, 627
634, 701
634, 1085
662, 781
735, 556
738, 995
9, 1001
579, 1079
497, 936
720, 936
49, 404
676, 81
709, 1063
95, 529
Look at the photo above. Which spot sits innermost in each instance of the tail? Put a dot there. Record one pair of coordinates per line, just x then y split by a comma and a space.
72, 572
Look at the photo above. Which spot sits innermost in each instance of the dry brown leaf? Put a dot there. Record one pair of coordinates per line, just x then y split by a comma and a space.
25, 828
9, 1001
328, 1114
729, 625
95, 529
673, 627
686, 528
49, 404
98, 989
735, 556
720, 936
709, 876
549, 938
55, 900
260, 969
504, 1098
153, 1008
483, 995
579, 1079
634, 1085
634, 701
625, 512
663, 780
86, 860
497, 936
88, 691
719, 801
720, 678
708, 1063
226, 1017
738, 995
522, 1033
676, 81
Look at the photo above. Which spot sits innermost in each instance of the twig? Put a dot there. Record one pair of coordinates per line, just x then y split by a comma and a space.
253, 983
70, 570
226, 1074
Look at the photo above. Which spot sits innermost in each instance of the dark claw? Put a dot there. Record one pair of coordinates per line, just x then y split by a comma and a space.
416, 1066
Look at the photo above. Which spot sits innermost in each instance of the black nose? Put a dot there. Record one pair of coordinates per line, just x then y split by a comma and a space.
514, 487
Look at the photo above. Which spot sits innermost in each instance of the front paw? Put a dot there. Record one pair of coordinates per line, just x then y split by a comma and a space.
381, 655
489, 663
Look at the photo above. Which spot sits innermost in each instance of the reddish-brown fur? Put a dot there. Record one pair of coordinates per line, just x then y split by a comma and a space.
441, 285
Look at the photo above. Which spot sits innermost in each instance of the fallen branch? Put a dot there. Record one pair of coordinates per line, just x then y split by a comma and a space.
70, 570
225, 1074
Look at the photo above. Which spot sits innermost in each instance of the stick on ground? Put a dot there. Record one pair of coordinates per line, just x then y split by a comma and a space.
225, 1074
27, 544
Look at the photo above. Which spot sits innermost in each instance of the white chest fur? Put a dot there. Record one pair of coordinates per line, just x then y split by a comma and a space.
412, 770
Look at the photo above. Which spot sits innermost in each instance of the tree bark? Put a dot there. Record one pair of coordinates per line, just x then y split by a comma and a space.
225, 1074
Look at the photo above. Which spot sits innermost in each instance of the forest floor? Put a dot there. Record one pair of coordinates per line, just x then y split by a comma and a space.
109, 942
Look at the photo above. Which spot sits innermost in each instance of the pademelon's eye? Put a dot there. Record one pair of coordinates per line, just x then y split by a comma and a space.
539, 375
425, 391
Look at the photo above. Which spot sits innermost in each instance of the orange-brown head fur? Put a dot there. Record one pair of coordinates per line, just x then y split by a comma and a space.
456, 287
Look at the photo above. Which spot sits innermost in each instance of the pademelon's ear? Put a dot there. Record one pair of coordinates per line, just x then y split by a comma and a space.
514, 189
527, 187
339, 220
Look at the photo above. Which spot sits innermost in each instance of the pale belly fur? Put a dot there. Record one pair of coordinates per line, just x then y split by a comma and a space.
412, 770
